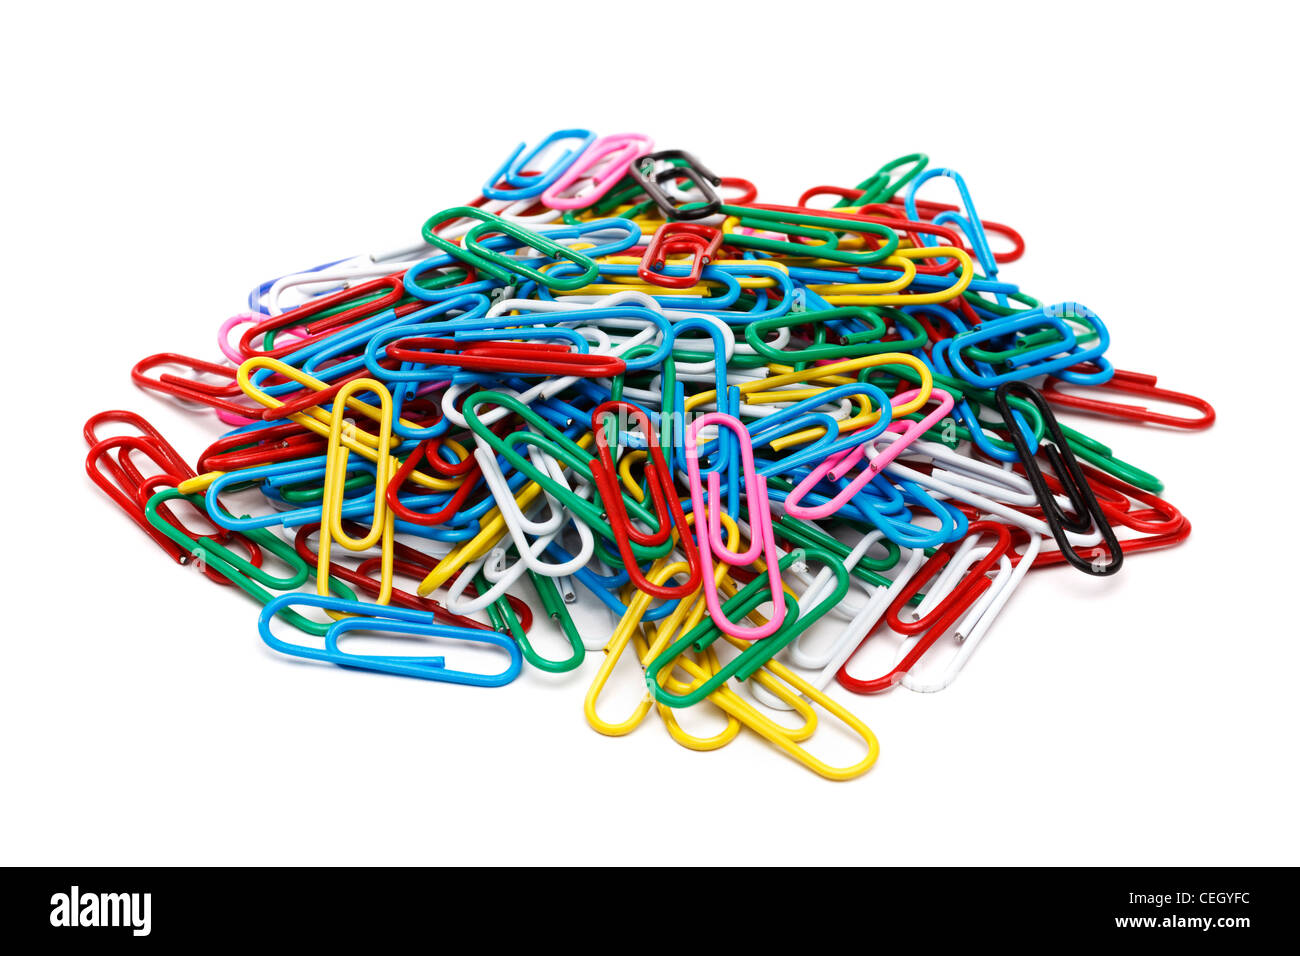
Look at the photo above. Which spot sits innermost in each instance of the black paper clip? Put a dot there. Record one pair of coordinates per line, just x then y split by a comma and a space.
651, 177
1087, 513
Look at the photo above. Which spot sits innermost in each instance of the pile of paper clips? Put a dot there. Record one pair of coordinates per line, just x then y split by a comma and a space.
616, 377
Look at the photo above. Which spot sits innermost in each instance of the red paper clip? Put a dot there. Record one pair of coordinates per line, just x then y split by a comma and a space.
663, 497
679, 238
1161, 524
1131, 383
427, 451
521, 358
944, 615
191, 389
281, 442
130, 489
115, 482
390, 290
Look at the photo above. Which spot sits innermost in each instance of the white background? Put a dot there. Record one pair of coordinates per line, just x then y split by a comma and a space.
161, 160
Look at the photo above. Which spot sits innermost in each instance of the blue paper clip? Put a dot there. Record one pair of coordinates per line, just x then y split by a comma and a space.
1053, 358
525, 184
393, 620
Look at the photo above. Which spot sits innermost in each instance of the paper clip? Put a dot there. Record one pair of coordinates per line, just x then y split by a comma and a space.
391, 620
698, 241
596, 171
663, 495
1087, 513
972, 629
526, 185
677, 164
709, 537
944, 615
220, 397
336, 465
519, 358
1133, 383
504, 268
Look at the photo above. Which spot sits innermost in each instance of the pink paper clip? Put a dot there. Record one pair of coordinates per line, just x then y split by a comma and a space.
605, 162
232, 352
837, 466
708, 527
